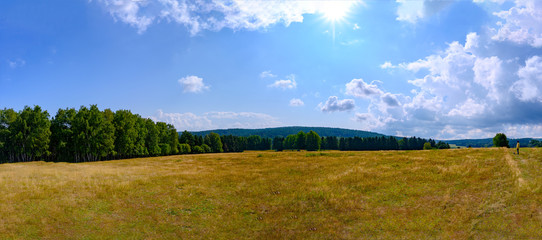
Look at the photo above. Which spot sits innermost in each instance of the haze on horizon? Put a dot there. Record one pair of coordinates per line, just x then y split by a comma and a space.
427, 68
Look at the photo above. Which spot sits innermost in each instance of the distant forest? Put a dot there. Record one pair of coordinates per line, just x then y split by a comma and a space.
488, 142
285, 131
91, 134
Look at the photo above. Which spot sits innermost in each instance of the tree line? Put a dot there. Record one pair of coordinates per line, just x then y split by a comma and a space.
91, 134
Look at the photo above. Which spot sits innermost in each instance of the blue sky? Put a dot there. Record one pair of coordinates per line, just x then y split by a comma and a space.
439, 69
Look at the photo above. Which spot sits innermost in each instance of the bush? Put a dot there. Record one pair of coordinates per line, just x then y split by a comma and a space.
206, 148
197, 150
427, 146
184, 148
165, 149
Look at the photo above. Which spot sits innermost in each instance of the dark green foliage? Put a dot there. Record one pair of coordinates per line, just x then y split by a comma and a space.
206, 148
301, 140
381, 143
197, 150
427, 146
312, 141
442, 145
165, 149
213, 140
184, 148
534, 143
500, 140
24, 136
188, 138
278, 143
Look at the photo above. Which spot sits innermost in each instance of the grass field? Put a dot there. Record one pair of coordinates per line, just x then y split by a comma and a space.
444, 194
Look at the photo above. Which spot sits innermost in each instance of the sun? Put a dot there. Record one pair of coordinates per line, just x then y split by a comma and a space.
336, 11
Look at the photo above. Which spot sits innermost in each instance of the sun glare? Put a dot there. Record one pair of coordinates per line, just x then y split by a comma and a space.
336, 11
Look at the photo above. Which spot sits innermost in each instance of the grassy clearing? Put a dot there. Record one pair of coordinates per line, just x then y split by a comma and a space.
445, 194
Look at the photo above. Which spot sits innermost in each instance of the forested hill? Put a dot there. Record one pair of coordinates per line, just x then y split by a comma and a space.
285, 131
488, 142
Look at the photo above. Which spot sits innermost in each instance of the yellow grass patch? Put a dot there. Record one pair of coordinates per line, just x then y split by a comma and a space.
444, 194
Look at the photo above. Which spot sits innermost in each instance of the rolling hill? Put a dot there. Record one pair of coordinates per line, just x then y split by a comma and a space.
285, 131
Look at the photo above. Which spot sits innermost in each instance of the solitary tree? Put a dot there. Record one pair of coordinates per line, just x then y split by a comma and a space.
500, 140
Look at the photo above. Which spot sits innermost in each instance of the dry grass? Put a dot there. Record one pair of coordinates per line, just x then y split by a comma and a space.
446, 194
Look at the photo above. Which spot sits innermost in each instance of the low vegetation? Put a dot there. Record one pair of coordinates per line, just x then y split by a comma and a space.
430, 194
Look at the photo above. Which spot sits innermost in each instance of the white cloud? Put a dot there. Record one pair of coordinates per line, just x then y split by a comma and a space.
413, 11
356, 26
215, 15
390, 100
333, 104
488, 73
288, 83
472, 41
267, 74
528, 87
128, 11
387, 65
296, 102
193, 84
359, 88
216, 120
16, 63
522, 23
409, 11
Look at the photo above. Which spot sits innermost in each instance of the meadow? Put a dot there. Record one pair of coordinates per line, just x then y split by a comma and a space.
430, 194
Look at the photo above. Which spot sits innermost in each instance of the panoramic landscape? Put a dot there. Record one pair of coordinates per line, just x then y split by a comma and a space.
271, 119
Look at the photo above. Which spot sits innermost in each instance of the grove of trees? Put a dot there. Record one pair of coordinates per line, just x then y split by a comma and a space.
91, 134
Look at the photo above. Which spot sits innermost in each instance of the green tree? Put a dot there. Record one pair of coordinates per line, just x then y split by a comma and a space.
188, 138
278, 143
500, 140
151, 140
301, 139
213, 140
184, 148
7, 132
62, 145
427, 146
125, 133
30, 134
313, 141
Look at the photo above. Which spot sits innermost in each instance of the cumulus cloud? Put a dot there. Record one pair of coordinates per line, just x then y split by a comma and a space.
527, 88
521, 23
296, 102
193, 84
333, 104
284, 84
128, 11
214, 15
216, 120
359, 88
464, 91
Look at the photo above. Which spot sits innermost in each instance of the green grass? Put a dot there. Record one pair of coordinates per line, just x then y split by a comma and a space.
443, 194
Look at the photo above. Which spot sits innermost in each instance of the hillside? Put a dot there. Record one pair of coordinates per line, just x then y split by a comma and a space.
488, 142
437, 194
285, 131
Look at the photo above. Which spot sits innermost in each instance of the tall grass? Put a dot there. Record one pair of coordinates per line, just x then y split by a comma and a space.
445, 194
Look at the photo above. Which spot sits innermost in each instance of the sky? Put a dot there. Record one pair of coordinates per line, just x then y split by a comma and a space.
427, 68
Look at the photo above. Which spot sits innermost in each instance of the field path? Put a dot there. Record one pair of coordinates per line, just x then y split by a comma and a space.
514, 168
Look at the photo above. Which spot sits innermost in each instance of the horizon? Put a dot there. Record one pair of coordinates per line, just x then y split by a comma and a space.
432, 69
